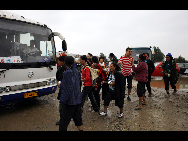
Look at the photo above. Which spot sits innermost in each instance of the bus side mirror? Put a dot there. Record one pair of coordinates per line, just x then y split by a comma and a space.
64, 45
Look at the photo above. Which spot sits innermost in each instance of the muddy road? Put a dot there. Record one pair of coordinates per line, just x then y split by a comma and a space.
163, 113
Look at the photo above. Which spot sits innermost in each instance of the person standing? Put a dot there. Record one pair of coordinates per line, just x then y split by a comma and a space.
116, 90
101, 77
87, 90
170, 73
141, 75
59, 77
151, 69
127, 62
70, 101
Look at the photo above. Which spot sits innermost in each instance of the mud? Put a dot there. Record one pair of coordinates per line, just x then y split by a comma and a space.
163, 113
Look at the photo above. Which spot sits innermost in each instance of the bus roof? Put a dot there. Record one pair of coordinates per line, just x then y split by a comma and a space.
12, 16
140, 47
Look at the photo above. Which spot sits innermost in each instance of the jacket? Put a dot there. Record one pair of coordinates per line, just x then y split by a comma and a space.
173, 71
87, 75
71, 87
151, 67
141, 72
119, 88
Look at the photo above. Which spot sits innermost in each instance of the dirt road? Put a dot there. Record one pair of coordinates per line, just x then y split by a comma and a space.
163, 113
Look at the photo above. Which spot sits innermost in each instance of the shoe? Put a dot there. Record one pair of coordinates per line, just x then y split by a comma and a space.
138, 108
149, 95
128, 98
175, 91
103, 114
121, 115
58, 123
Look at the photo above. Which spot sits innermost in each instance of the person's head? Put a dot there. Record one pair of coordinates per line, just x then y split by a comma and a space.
95, 59
69, 61
142, 57
89, 55
101, 59
83, 59
61, 60
32, 43
147, 56
113, 67
128, 51
169, 57
89, 61
111, 55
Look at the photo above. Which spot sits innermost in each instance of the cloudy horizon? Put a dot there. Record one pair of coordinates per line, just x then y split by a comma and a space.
112, 31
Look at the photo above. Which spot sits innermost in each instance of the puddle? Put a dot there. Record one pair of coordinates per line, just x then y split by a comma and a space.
159, 83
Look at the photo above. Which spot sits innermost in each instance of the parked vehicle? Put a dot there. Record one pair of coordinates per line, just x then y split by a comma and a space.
27, 58
183, 68
159, 71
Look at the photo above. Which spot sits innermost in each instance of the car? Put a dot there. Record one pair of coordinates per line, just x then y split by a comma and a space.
183, 68
159, 71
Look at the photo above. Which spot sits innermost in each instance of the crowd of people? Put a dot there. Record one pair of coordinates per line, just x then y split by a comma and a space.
96, 75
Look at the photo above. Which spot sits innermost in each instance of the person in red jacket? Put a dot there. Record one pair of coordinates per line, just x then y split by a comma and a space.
141, 75
87, 80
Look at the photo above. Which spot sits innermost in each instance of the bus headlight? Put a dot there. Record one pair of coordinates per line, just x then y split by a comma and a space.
51, 81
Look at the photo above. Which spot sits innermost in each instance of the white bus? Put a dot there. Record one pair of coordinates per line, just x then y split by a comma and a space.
27, 58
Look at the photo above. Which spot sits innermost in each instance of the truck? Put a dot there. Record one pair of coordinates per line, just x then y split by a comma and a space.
27, 58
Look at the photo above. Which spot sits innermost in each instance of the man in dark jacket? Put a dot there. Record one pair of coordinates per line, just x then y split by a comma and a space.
116, 90
151, 69
170, 73
70, 100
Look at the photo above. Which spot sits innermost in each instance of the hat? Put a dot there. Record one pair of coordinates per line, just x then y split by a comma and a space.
169, 54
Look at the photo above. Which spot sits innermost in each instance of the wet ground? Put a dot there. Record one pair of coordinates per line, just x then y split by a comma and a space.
163, 113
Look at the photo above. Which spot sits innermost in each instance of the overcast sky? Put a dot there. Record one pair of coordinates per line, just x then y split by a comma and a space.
112, 31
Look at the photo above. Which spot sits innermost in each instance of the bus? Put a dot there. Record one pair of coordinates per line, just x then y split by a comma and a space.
136, 51
27, 58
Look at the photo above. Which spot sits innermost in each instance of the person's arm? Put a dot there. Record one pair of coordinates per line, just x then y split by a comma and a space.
120, 61
152, 67
138, 68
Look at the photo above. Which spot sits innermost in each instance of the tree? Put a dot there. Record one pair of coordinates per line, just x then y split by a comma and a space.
158, 56
180, 59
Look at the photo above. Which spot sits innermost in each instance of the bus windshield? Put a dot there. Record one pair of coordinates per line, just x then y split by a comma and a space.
22, 42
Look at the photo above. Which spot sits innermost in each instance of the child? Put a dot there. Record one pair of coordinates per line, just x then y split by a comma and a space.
141, 75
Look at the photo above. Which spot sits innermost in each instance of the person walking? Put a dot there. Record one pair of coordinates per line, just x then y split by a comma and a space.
127, 62
116, 90
170, 73
141, 75
87, 90
70, 100
151, 69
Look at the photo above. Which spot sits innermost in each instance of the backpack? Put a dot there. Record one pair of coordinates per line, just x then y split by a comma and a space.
94, 75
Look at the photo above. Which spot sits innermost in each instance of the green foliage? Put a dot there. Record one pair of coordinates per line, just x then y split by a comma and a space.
180, 59
158, 56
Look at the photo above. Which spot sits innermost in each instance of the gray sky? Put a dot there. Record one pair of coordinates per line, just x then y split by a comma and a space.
112, 31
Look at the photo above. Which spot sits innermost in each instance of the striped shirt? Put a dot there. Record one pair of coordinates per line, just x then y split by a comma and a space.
126, 67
